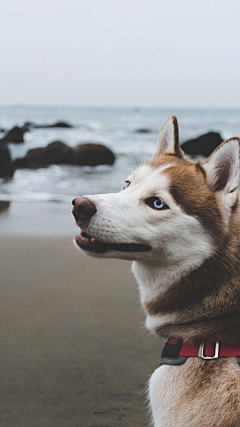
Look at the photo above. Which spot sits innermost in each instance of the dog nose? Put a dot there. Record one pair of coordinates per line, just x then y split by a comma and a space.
84, 208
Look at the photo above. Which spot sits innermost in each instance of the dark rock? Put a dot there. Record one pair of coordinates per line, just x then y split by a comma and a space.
61, 125
143, 130
42, 126
14, 135
6, 164
93, 155
55, 153
203, 145
4, 205
59, 153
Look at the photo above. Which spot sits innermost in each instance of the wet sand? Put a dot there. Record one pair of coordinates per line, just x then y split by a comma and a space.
74, 351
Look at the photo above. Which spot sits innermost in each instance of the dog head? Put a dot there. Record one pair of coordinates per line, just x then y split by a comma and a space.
170, 209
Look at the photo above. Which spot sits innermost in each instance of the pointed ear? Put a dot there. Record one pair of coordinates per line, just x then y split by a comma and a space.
222, 170
168, 141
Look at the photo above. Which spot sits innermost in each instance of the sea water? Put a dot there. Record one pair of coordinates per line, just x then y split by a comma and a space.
114, 127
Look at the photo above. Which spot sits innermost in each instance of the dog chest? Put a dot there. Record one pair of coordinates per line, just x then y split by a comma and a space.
197, 393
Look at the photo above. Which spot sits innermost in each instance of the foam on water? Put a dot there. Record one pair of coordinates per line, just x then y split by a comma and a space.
114, 127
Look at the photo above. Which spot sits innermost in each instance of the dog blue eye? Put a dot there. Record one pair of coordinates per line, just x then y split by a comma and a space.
156, 203
126, 185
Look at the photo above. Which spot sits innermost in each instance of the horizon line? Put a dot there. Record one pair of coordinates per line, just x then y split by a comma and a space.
132, 106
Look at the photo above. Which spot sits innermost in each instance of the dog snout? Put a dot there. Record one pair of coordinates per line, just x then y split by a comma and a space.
83, 208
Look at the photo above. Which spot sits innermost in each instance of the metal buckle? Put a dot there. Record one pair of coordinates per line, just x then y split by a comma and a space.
201, 351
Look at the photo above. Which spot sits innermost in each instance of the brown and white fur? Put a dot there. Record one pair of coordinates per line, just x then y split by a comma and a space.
189, 278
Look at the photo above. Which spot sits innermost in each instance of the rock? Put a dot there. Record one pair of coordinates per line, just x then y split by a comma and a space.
61, 125
55, 125
6, 164
4, 205
59, 153
55, 153
93, 155
203, 145
143, 130
15, 135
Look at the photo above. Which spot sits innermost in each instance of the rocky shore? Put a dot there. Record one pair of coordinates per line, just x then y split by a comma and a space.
87, 154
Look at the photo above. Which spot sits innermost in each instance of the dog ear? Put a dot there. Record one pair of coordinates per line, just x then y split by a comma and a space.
222, 170
168, 140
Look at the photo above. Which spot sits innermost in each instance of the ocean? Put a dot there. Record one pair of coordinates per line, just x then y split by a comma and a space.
114, 127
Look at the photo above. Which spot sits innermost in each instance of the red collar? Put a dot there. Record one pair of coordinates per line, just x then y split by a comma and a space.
206, 350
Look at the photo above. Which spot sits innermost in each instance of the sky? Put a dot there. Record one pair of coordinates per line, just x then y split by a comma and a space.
120, 52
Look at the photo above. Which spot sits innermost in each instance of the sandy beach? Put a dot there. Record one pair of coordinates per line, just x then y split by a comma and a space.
74, 350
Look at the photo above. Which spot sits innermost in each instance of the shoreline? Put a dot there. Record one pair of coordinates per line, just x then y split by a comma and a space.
38, 218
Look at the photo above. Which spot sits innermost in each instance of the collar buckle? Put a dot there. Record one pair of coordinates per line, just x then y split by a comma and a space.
201, 351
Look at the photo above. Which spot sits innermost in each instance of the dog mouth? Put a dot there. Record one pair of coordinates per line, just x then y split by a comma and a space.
88, 243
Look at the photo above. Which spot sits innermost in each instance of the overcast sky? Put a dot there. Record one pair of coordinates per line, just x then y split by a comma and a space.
120, 52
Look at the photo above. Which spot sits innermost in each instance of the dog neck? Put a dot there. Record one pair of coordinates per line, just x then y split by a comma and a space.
201, 304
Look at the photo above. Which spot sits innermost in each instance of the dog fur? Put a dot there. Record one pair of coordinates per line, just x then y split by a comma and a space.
189, 279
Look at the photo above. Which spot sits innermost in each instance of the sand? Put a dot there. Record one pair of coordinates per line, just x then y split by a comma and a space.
74, 350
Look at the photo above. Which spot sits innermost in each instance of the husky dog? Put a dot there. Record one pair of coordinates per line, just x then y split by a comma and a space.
179, 222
